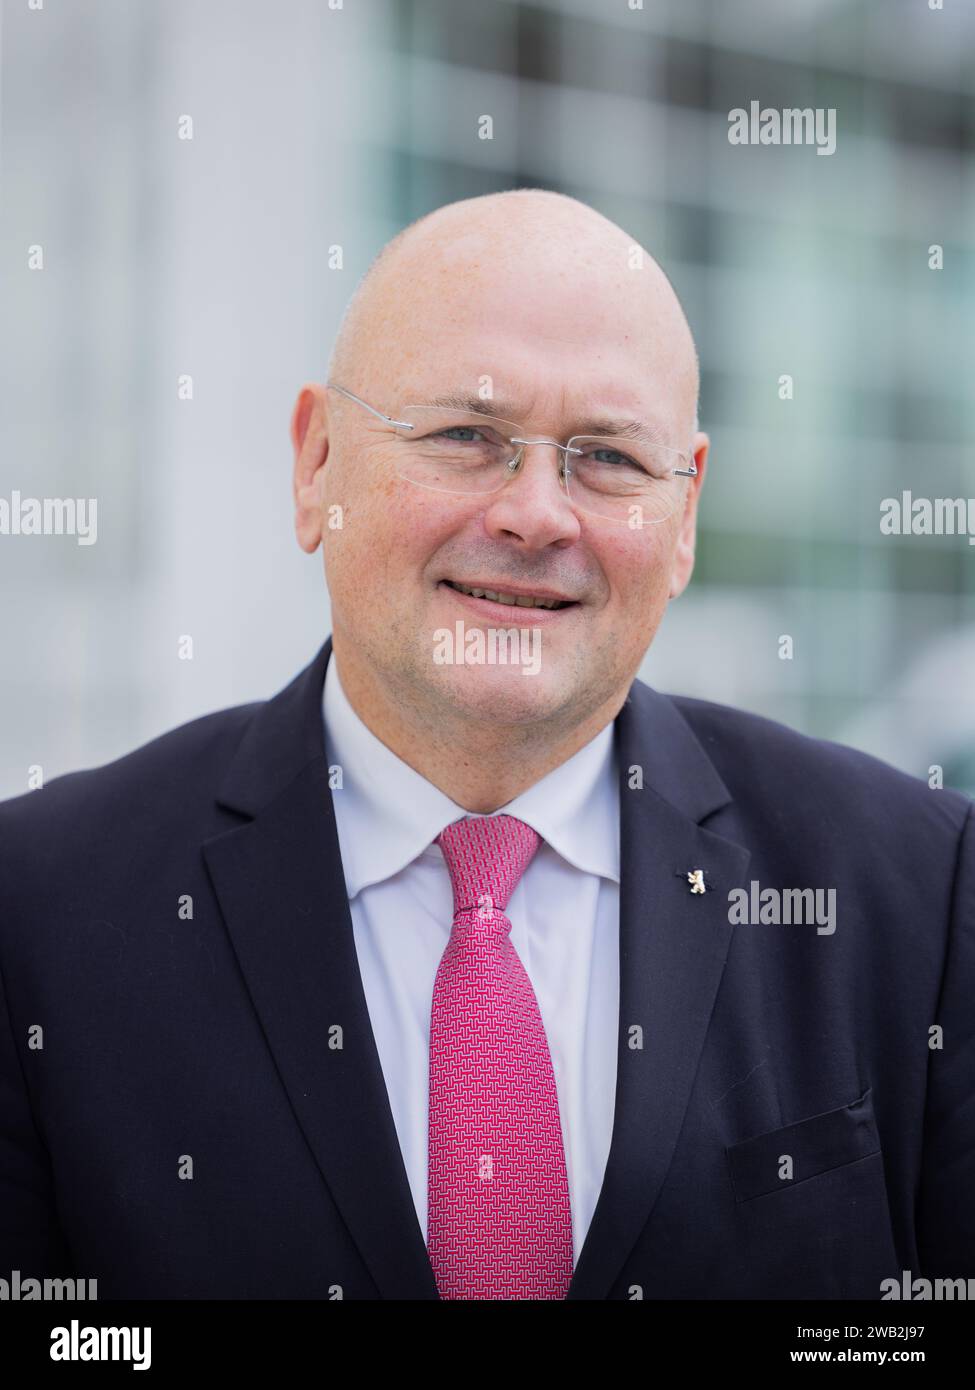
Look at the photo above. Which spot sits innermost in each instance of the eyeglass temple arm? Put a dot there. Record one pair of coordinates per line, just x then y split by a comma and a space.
401, 424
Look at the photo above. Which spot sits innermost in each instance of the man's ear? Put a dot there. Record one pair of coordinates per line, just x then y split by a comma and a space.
309, 440
683, 563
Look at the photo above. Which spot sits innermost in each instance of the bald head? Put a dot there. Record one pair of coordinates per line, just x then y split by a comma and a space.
518, 250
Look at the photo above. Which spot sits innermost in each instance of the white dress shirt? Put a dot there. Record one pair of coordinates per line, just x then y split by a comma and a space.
564, 917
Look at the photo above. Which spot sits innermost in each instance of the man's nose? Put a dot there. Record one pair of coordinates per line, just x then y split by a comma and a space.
534, 504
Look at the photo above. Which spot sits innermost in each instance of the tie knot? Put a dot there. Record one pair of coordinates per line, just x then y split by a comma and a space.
486, 856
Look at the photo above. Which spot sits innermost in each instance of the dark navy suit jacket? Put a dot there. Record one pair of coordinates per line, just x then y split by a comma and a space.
213, 1038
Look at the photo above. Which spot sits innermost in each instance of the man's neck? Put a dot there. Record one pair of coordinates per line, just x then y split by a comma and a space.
480, 766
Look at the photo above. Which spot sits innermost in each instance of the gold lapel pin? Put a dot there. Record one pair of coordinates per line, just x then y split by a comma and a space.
695, 878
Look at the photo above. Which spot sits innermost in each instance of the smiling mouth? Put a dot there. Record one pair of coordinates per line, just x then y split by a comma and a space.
511, 600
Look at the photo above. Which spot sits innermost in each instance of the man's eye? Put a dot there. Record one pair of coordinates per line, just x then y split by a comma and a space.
612, 457
456, 431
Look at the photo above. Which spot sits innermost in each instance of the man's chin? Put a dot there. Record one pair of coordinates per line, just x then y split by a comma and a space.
510, 694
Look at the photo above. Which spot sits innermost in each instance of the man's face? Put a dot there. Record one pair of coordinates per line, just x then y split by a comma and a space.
552, 363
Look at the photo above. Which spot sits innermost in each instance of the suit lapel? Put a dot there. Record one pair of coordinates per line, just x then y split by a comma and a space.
279, 880
673, 947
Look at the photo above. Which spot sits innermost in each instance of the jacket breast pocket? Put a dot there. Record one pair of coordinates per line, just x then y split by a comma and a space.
782, 1158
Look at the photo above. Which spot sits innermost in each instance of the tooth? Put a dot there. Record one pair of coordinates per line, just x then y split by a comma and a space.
511, 600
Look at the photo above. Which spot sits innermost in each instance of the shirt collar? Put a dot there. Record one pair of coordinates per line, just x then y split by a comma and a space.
387, 813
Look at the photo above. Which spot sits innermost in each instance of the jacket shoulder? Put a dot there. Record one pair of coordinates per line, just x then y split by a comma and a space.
184, 764
758, 756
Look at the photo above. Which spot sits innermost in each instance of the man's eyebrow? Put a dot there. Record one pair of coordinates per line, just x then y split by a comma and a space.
509, 410
625, 429
504, 410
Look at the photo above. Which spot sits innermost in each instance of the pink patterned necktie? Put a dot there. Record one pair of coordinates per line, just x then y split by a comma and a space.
499, 1221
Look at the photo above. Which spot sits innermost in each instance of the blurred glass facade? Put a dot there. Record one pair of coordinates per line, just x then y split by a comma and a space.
315, 128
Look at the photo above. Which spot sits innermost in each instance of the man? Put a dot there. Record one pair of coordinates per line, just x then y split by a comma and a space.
470, 966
